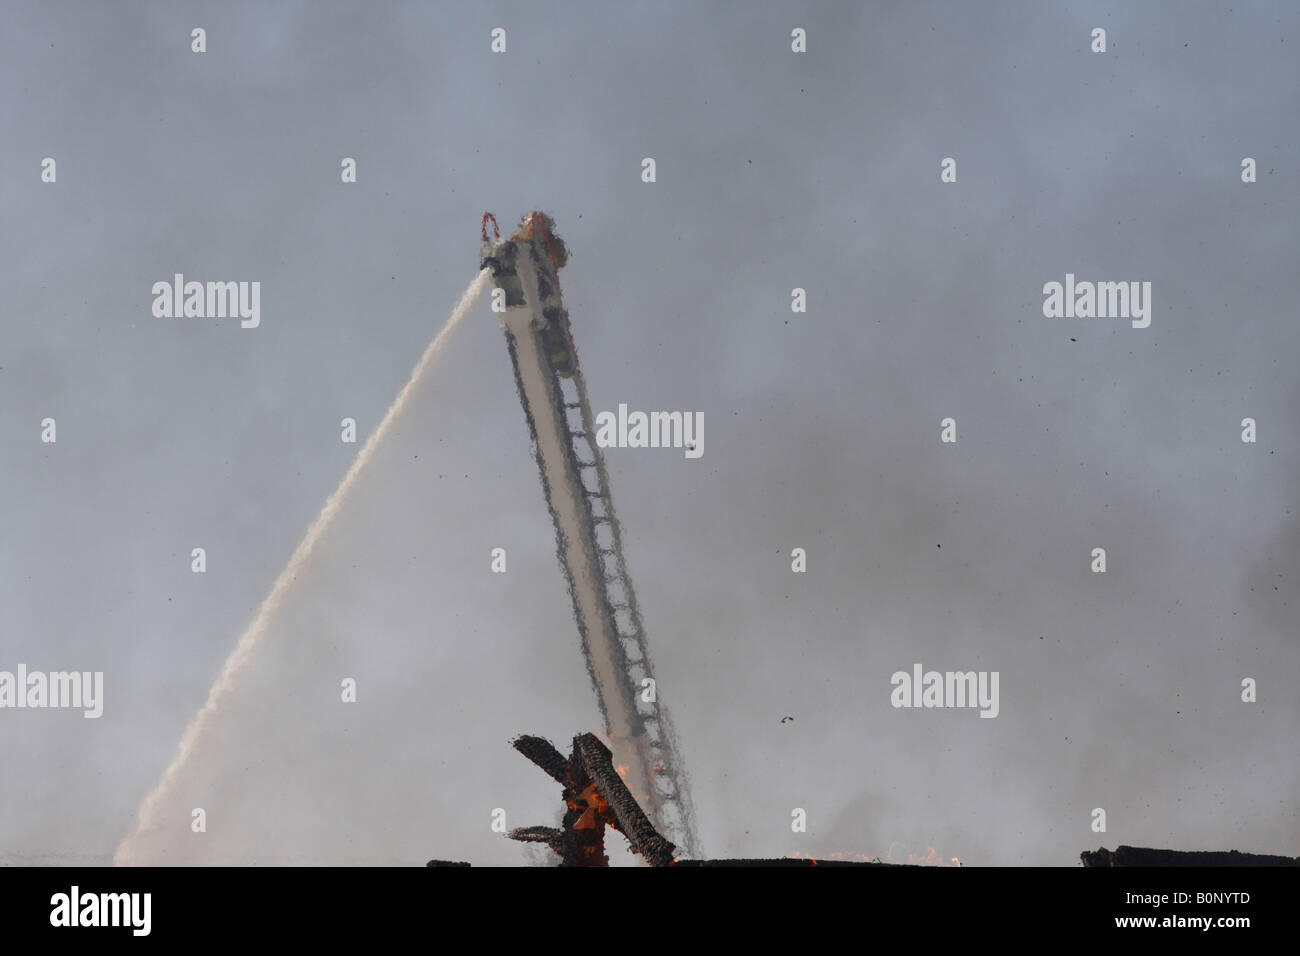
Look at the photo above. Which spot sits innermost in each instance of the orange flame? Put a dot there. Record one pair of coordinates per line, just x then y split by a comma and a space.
930, 859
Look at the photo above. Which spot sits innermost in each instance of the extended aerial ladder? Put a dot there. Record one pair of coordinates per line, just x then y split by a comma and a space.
588, 538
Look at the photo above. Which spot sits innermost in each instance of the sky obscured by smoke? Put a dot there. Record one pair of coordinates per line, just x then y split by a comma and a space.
775, 170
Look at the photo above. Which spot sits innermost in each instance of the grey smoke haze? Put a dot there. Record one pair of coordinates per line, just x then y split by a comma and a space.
775, 170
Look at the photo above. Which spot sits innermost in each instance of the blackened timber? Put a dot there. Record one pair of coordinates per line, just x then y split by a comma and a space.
1138, 856
632, 821
784, 862
548, 835
543, 753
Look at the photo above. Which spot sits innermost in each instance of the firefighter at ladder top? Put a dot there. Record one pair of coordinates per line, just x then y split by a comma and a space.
538, 229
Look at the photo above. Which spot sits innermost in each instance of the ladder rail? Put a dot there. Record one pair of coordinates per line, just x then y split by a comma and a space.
664, 742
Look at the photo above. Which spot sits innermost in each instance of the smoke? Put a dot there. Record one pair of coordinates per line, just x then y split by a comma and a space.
251, 638
1268, 586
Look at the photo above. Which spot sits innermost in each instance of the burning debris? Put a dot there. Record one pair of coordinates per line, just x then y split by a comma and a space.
1133, 856
596, 798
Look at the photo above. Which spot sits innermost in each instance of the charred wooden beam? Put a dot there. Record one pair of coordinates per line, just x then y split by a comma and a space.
631, 819
785, 862
543, 753
548, 835
1134, 856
